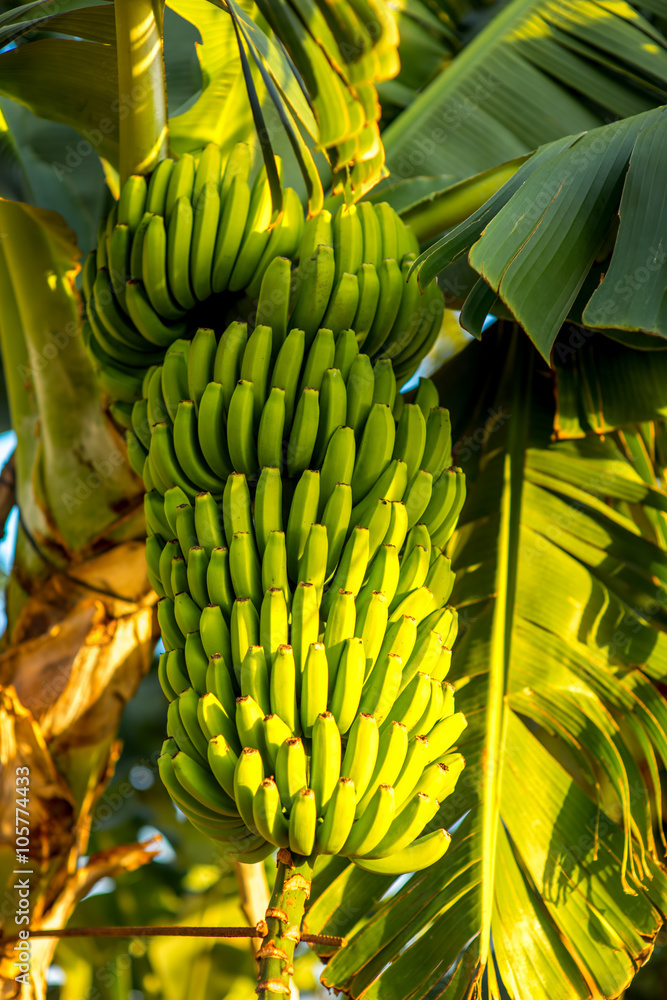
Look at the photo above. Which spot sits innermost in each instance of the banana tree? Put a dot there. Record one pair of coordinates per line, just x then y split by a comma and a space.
533, 131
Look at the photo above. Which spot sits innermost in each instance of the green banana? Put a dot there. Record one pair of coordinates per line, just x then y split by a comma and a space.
176, 672
313, 563
181, 183
382, 686
304, 432
268, 816
215, 633
422, 853
185, 528
146, 320
314, 686
338, 819
391, 293
227, 364
244, 631
407, 826
174, 381
346, 351
196, 576
316, 279
338, 464
405, 785
222, 760
209, 169
411, 439
201, 362
200, 784
361, 753
384, 389
372, 825
410, 706
427, 396
303, 823
172, 636
349, 683
398, 525
268, 507
196, 661
157, 187
188, 452
285, 374
249, 721
325, 759
255, 677
438, 444
208, 524
179, 578
245, 568
340, 626
256, 235
273, 628
229, 237
255, 366
375, 450
274, 732
179, 243
369, 297
273, 302
290, 770
132, 202
417, 497
336, 519
303, 513
424, 657
248, 776
305, 626
274, 565
372, 617
154, 270
343, 304
236, 509
283, 687
271, 431
351, 570
284, 240
443, 736
333, 411
240, 437
319, 358
413, 574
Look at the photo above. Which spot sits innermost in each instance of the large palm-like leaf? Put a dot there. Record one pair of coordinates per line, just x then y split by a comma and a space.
543, 242
553, 885
538, 70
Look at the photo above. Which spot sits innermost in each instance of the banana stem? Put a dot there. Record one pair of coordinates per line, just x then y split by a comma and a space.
142, 92
283, 918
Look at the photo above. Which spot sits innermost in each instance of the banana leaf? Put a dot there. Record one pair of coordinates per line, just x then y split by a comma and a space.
554, 884
575, 234
538, 70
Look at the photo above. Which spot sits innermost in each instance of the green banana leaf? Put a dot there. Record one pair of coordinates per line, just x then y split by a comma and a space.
553, 885
537, 70
581, 209
72, 473
601, 385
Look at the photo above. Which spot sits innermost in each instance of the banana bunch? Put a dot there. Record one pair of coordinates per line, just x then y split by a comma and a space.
320, 422
196, 246
297, 507
315, 714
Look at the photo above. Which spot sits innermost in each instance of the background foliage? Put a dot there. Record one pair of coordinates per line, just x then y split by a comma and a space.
553, 112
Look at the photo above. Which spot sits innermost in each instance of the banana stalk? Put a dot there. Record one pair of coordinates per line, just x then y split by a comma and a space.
283, 919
